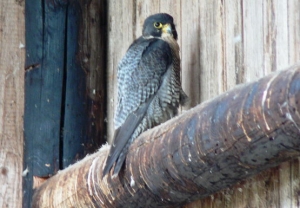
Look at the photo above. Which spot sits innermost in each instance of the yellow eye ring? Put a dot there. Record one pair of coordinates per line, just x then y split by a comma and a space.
157, 25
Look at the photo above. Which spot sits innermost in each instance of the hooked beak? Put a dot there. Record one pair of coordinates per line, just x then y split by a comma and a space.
167, 28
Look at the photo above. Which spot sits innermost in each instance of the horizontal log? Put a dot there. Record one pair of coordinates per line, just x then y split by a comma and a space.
206, 149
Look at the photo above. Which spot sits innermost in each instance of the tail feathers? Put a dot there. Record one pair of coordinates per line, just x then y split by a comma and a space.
119, 164
122, 139
184, 99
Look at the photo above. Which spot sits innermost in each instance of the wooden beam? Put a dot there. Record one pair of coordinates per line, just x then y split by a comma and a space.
208, 148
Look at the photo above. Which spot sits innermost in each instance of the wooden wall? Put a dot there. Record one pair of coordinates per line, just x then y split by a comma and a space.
12, 57
223, 43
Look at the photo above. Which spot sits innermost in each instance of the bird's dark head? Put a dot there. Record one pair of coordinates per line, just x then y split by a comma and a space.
158, 24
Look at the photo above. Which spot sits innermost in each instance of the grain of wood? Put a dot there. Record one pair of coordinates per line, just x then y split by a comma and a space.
253, 40
293, 31
233, 44
190, 51
210, 49
12, 56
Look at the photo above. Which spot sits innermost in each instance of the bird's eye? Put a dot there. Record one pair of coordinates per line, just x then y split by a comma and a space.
157, 25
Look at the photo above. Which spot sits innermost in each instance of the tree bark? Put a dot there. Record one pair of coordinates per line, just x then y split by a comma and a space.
206, 149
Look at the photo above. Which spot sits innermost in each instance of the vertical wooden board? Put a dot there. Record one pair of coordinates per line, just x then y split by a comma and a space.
282, 41
85, 81
45, 37
92, 56
275, 35
12, 55
236, 196
285, 191
233, 44
121, 33
294, 30
34, 54
269, 36
253, 40
255, 195
211, 51
295, 182
43, 86
190, 51
75, 121
259, 191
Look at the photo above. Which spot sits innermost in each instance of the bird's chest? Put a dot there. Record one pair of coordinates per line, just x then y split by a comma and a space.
175, 56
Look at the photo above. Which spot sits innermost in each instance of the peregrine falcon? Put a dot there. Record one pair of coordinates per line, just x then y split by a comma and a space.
149, 86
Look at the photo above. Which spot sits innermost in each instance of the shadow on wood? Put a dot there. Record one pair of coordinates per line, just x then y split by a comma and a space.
206, 149
65, 88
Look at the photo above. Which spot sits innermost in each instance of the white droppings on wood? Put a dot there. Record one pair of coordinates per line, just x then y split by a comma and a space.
288, 116
21, 45
237, 39
25, 172
263, 101
85, 60
132, 182
190, 157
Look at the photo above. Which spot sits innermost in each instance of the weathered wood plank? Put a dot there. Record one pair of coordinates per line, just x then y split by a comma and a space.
75, 108
44, 83
43, 86
233, 44
92, 55
12, 59
293, 31
211, 49
190, 51
84, 100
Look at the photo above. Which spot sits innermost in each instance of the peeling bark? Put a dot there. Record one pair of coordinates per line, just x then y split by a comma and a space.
206, 149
